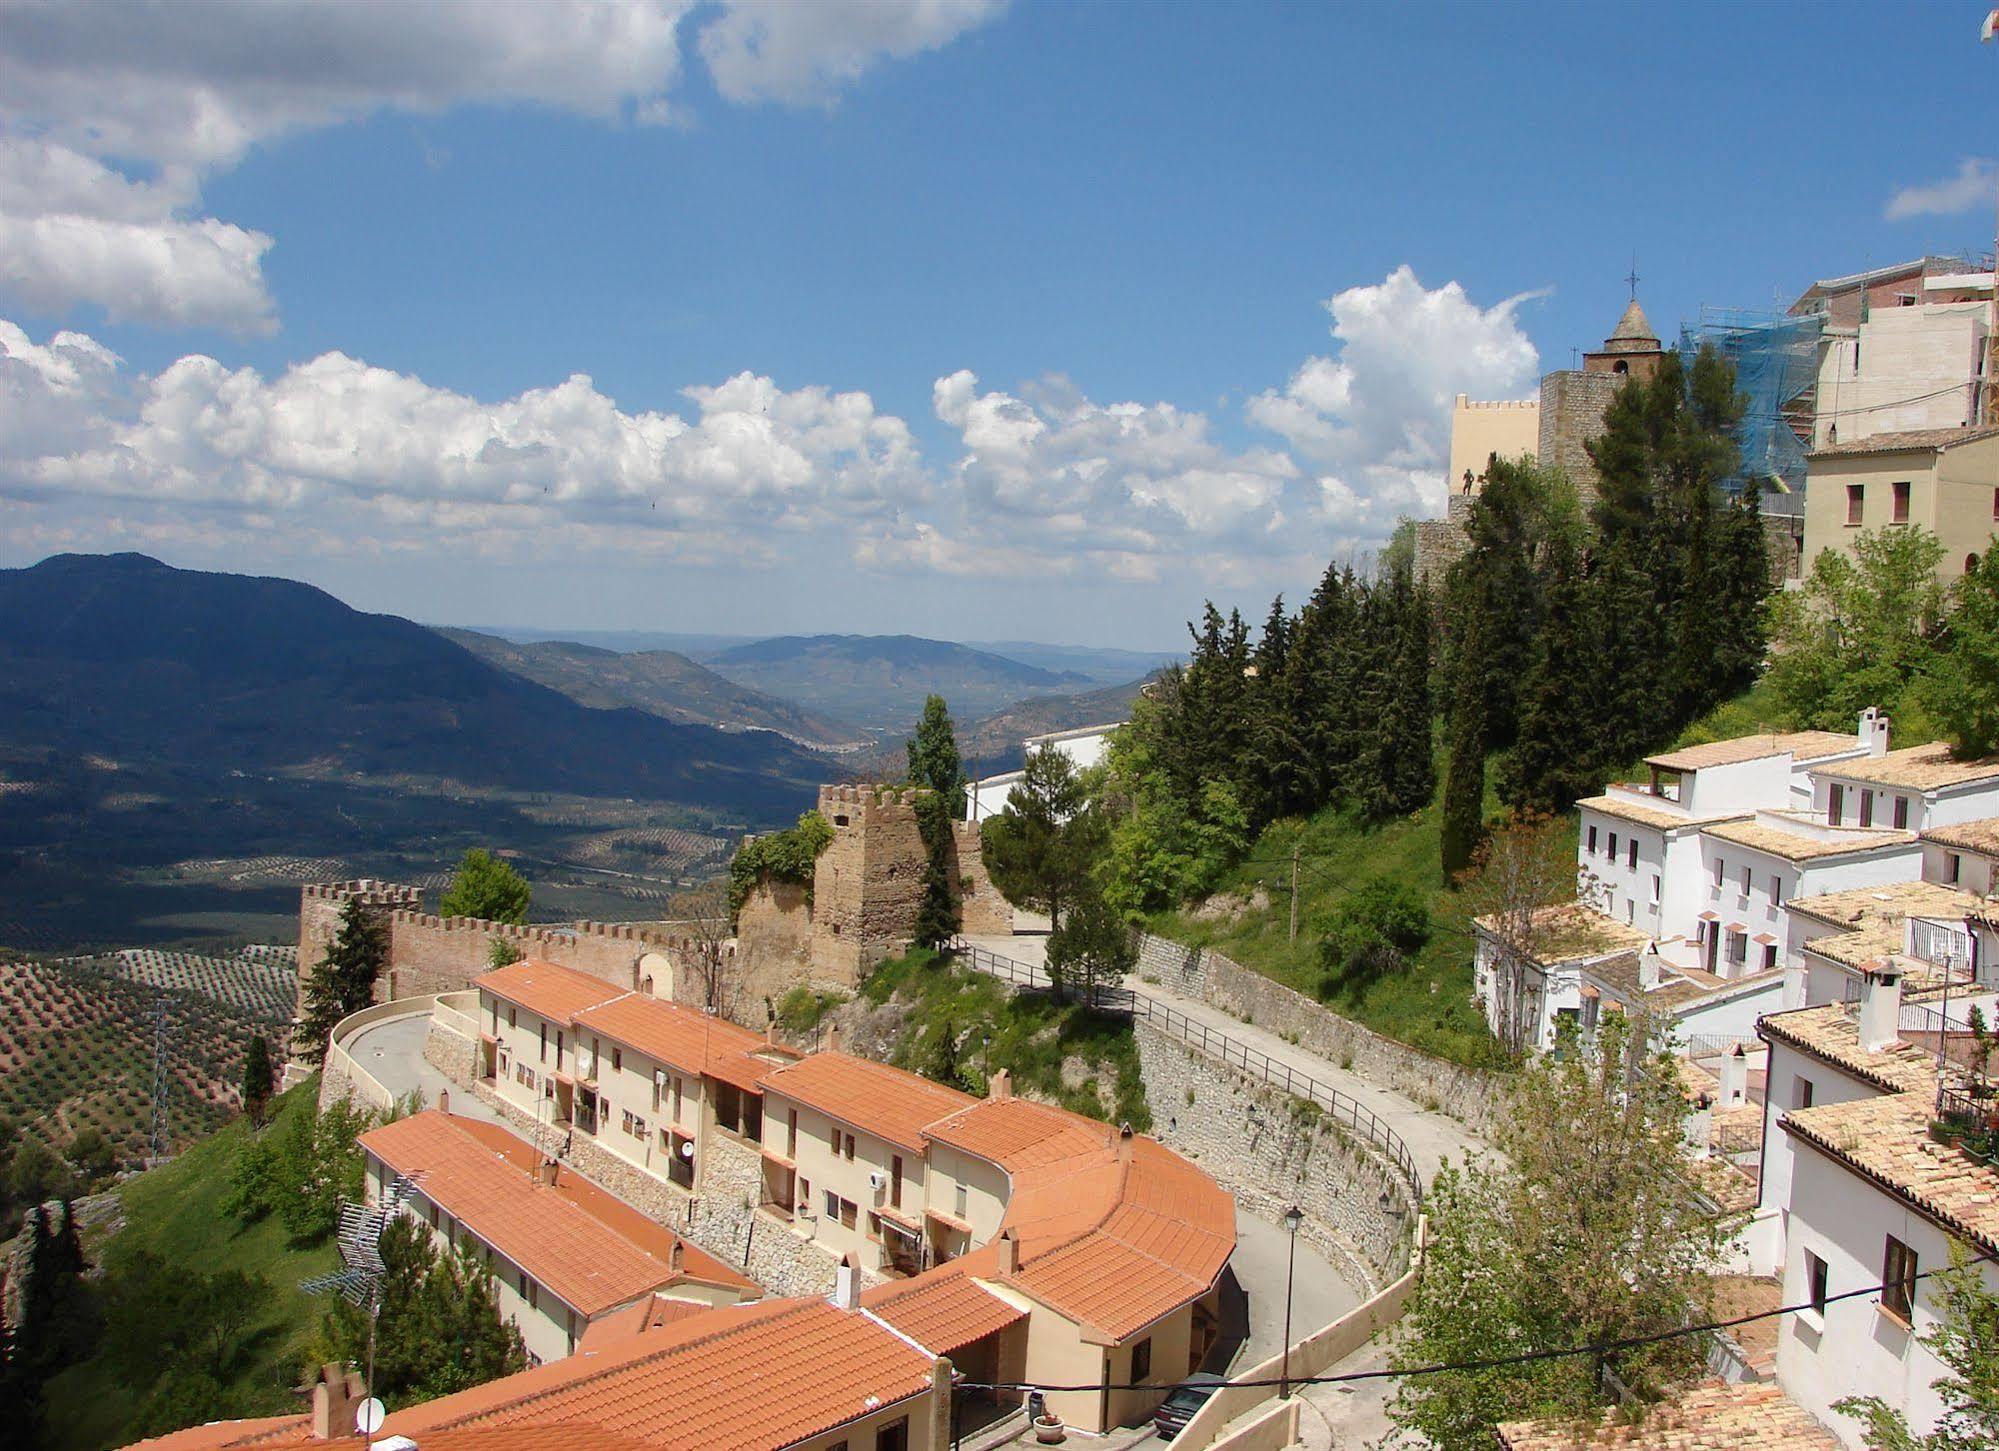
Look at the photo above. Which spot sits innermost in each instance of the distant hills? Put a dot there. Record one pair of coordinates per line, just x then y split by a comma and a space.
880, 681
1104, 665
123, 657
662, 682
992, 745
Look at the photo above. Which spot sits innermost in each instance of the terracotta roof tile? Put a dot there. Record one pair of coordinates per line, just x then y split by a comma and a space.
1887, 1139
587, 1247
1831, 1033
1926, 440
1799, 745
1575, 932
887, 1102
745, 1377
942, 1309
684, 1037
491, 1438
1920, 768
638, 1318
256, 1431
1752, 1416
556, 993
1018, 1133
1892, 902
1658, 818
1981, 835
1801, 846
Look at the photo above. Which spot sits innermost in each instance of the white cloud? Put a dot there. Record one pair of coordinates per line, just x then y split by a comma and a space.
762, 50
1376, 420
1972, 188
167, 94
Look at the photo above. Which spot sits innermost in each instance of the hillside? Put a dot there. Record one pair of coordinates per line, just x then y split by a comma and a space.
123, 657
660, 682
1104, 665
993, 744
880, 681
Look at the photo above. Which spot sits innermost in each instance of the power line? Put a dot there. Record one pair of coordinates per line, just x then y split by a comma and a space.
1629, 1342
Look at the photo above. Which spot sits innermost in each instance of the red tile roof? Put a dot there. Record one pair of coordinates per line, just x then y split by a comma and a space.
686, 1038
1751, 1416
489, 1438
1018, 1133
744, 1377
638, 1319
256, 1431
556, 993
887, 1102
589, 1248
941, 1310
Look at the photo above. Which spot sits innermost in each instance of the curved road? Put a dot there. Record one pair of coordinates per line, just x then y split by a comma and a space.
392, 1050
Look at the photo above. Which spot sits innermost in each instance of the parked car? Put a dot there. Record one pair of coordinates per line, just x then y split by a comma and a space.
1178, 1409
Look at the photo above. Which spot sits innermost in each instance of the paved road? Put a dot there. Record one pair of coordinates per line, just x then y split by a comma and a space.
393, 1052
1431, 1136
1319, 1294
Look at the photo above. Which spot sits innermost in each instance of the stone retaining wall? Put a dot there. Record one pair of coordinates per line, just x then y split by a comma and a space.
1271, 1151
1473, 1096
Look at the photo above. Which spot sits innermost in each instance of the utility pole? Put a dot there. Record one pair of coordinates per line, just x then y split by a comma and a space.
162, 1143
1294, 891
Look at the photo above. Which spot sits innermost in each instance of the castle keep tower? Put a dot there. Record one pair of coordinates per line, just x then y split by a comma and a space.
320, 905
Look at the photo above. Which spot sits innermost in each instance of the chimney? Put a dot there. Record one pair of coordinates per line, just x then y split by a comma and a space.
1124, 1143
335, 1398
546, 1174
1734, 1076
444, 1100
1880, 1006
847, 1283
999, 1087
1008, 1245
1874, 730
677, 1256
1648, 965
831, 1042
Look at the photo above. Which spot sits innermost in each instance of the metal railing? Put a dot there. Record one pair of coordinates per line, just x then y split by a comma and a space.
1231, 1052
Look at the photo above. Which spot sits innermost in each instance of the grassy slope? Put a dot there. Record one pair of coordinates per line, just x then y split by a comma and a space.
175, 1211
1428, 1006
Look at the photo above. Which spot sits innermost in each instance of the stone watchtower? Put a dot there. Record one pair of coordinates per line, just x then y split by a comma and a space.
1631, 350
1574, 402
320, 905
868, 882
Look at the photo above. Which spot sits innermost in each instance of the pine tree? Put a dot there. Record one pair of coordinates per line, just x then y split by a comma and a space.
257, 1079
1739, 589
933, 756
343, 981
1041, 848
1464, 785
1402, 776
1551, 763
487, 888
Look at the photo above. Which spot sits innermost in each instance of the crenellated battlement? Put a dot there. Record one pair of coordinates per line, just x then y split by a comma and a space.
368, 891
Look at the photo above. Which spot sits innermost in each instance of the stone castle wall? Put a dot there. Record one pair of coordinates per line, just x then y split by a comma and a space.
1441, 542
773, 942
982, 911
1572, 409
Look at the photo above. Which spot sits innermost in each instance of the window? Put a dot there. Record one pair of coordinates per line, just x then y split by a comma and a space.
728, 1106
558, 1050
1776, 889
791, 1139
1898, 1280
1769, 956
513, 1018
894, 1436
753, 1118
1995, 503
1631, 854
617, 1059
504, 1061
1866, 808
544, 1042
1901, 813
1815, 1281
1141, 1359
634, 1125
846, 1146
844, 1210
1612, 853
1953, 867
1738, 948
1720, 870
1856, 495
1745, 878
1592, 841
1899, 513
895, 1181
958, 1202
1835, 803
1655, 889
1802, 1091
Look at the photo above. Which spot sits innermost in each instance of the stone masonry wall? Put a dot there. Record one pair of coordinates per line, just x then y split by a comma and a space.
320, 905
982, 911
1572, 409
1271, 1151
866, 884
773, 942
1470, 1095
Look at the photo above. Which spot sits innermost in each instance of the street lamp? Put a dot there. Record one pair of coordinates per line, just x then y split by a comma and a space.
1293, 1217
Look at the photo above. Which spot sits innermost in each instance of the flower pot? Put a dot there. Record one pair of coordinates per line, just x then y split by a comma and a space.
1049, 1430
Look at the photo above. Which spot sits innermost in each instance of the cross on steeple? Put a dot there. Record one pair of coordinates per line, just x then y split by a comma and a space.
1633, 279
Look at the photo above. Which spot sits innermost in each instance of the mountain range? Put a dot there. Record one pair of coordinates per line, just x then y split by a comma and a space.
121, 656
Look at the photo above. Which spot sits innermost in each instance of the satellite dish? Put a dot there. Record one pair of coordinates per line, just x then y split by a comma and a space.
368, 1416
687, 1148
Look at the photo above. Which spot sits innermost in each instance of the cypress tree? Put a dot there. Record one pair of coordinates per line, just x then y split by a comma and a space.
1464, 784
933, 756
257, 1079
937, 916
1552, 764
343, 981
1741, 587
1402, 770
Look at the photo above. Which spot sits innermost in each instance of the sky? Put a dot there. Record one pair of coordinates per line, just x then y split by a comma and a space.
956, 318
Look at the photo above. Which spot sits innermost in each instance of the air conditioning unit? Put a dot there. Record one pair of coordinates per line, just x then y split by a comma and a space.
877, 1181
659, 1080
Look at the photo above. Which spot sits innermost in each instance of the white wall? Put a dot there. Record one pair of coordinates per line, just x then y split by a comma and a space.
1624, 889
1856, 1349
1781, 1094
988, 797
1907, 368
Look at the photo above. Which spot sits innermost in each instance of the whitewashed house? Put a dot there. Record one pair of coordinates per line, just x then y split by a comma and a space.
1085, 746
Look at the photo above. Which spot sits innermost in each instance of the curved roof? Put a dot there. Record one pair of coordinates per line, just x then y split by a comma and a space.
1634, 327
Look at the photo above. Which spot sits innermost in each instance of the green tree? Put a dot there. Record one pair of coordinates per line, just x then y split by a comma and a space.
1960, 686
1583, 1233
439, 1329
302, 1171
1041, 848
933, 756
937, 915
1966, 1339
488, 888
1551, 764
781, 856
1464, 784
501, 952
1372, 933
36, 1175
91, 1155
259, 1080
343, 981
1860, 629
1091, 948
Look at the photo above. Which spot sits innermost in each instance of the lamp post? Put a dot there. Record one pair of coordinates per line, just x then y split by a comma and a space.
1292, 1218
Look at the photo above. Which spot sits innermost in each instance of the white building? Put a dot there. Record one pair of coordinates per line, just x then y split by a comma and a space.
1085, 746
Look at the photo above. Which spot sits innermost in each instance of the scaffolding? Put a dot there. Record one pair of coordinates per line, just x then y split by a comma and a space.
1776, 360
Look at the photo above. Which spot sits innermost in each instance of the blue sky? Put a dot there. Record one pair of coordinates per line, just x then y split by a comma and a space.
1123, 222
